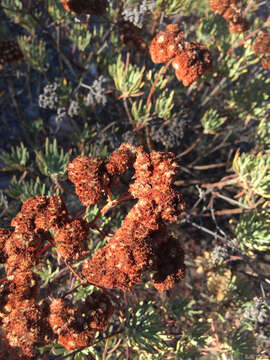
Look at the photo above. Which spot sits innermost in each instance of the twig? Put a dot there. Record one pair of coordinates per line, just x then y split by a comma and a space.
221, 184
207, 167
231, 201
127, 110
226, 212
163, 72
189, 149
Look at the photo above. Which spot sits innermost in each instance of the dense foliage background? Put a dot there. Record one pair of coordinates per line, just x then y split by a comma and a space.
81, 87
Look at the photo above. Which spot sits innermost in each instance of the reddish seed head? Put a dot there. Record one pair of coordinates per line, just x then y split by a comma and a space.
164, 46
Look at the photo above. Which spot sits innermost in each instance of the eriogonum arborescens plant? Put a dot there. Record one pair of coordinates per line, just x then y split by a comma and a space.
262, 46
91, 7
231, 10
190, 60
142, 244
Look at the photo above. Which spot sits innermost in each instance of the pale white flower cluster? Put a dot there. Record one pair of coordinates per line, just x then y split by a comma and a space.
136, 15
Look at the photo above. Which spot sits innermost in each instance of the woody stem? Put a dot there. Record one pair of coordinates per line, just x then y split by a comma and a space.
163, 72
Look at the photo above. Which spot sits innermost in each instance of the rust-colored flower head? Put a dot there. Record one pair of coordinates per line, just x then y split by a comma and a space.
164, 46
220, 6
40, 212
9, 52
90, 178
71, 239
192, 62
262, 46
25, 329
189, 60
266, 62
91, 7
76, 325
23, 284
154, 176
262, 43
232, 12
121, 160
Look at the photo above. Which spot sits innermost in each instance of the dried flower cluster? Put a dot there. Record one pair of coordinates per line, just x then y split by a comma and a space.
26, 323
132, 36
76, 325
92, 177
262, 46
91, 7
190, 60
9, 52
231, 10
140, 242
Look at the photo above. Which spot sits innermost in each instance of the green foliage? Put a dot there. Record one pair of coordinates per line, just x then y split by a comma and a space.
15, 11
262, 135
52, 162
164, 104
58, 13
254, 173
3, 203
16, 159
128, 78
171, 7
241, 343
23, 190
194, 338
143, 328
212, 121
252, 230
34, 52
46, 273
139, 113
80, 36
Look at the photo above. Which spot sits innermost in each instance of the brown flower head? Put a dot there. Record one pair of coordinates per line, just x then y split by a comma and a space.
231, 10
154, 176
75, 325
26, 328
189, 60
192, 62
262, 43
91, 7
262, 46
132, 36
266, 62
90, 178
121, 160
71, 239
164, 46
40, 212
121, 262
9, 52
